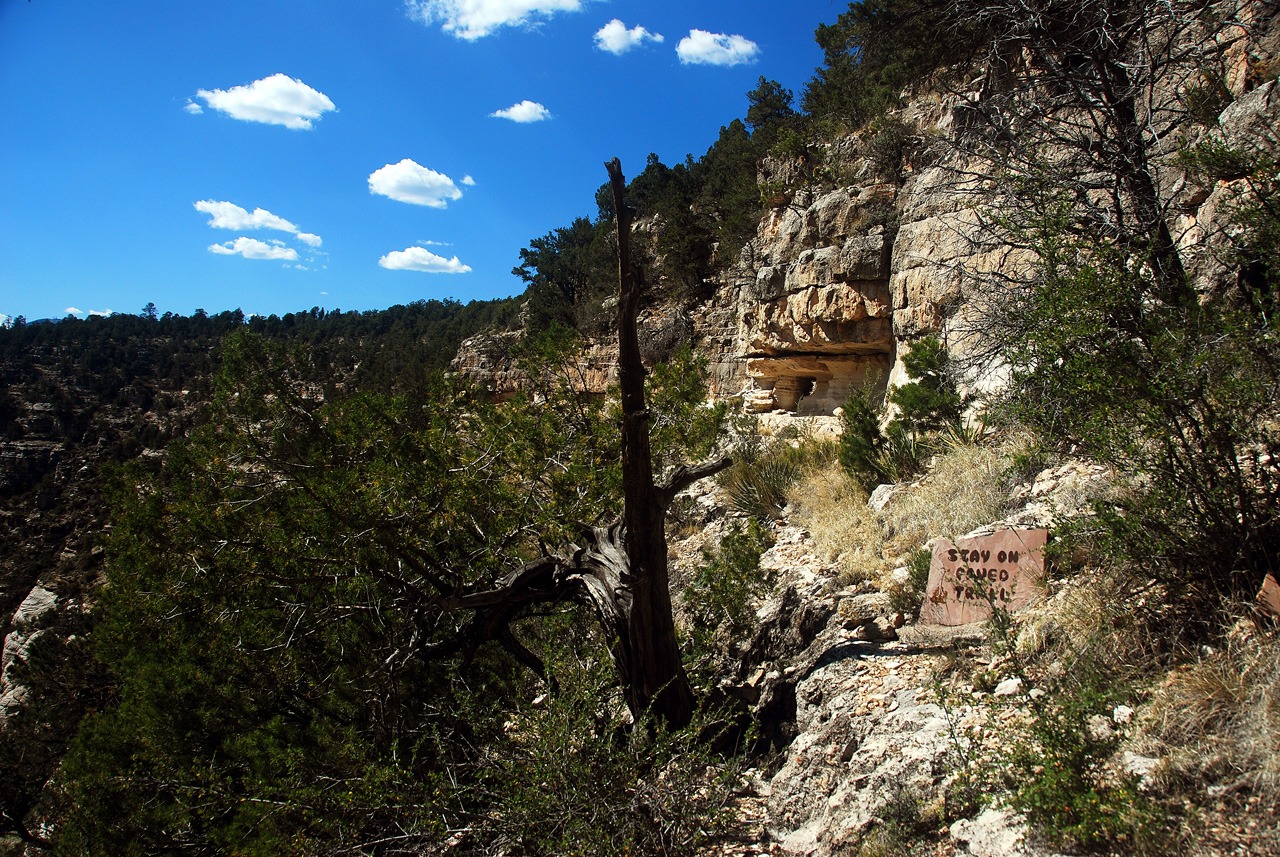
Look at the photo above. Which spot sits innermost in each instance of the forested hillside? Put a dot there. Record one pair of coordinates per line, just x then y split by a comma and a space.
287, 585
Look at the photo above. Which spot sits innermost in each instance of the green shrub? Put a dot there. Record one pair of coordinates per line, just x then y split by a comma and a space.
758, 481
1143, 373
1206, 99
903, 453
907, 597
929, 406
931, 401
876, 50
718, 598
862, 442
759, 489
1062, 783
888, 146
571, 778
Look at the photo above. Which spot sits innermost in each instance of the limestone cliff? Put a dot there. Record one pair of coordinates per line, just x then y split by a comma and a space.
842, 275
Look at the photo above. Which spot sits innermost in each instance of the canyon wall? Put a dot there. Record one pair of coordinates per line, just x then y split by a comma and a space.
838, 281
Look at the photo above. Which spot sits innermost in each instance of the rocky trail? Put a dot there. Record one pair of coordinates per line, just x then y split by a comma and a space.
853, 691
859, 703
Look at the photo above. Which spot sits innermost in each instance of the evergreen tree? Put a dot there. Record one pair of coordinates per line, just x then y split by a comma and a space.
930, 400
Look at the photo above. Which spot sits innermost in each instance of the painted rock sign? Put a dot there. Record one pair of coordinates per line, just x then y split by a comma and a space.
970, 576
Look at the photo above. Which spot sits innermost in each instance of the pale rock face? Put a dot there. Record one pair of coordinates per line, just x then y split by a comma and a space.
38, 602
935, 253
813, 385
864, 733
838, 283
995, 832
817, 319
18, 642
822, 319
863, 257
1202, 223
486, 359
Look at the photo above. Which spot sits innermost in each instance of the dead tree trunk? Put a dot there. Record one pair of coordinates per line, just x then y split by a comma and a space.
622, 571
657, 678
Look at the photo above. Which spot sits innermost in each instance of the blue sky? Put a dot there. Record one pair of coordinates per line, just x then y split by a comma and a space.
277, 155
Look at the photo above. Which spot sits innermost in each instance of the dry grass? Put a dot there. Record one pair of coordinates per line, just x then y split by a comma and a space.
1217, 721
964, 489
1214, 724
1105, 614
834, 509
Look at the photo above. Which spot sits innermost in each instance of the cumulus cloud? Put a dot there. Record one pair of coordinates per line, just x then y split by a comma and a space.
525, 111
73, 311
615, 38
192, 107
468, 181
703, 48
228, 215
252, 248
420, 259
411, 182
473, 19
275, 100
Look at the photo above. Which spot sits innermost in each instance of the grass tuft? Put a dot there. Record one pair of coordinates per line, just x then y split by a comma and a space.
1217, 722
966, 487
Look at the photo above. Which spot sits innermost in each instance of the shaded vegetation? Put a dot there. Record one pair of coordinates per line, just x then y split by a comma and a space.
927, 415
289, 667
878, 49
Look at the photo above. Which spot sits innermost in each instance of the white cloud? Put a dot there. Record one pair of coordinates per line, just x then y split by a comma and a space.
411, 182
615, 38
73, 311
701, 47
418, 259
275, 100
228, 215
525, 111
252, 248
472, 19
468, 181
192, 107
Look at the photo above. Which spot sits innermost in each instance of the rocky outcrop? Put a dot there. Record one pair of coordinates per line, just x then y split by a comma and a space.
26, 630
491, 358
25, 462
487, 359
815, 321
838, 281
1202, 214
